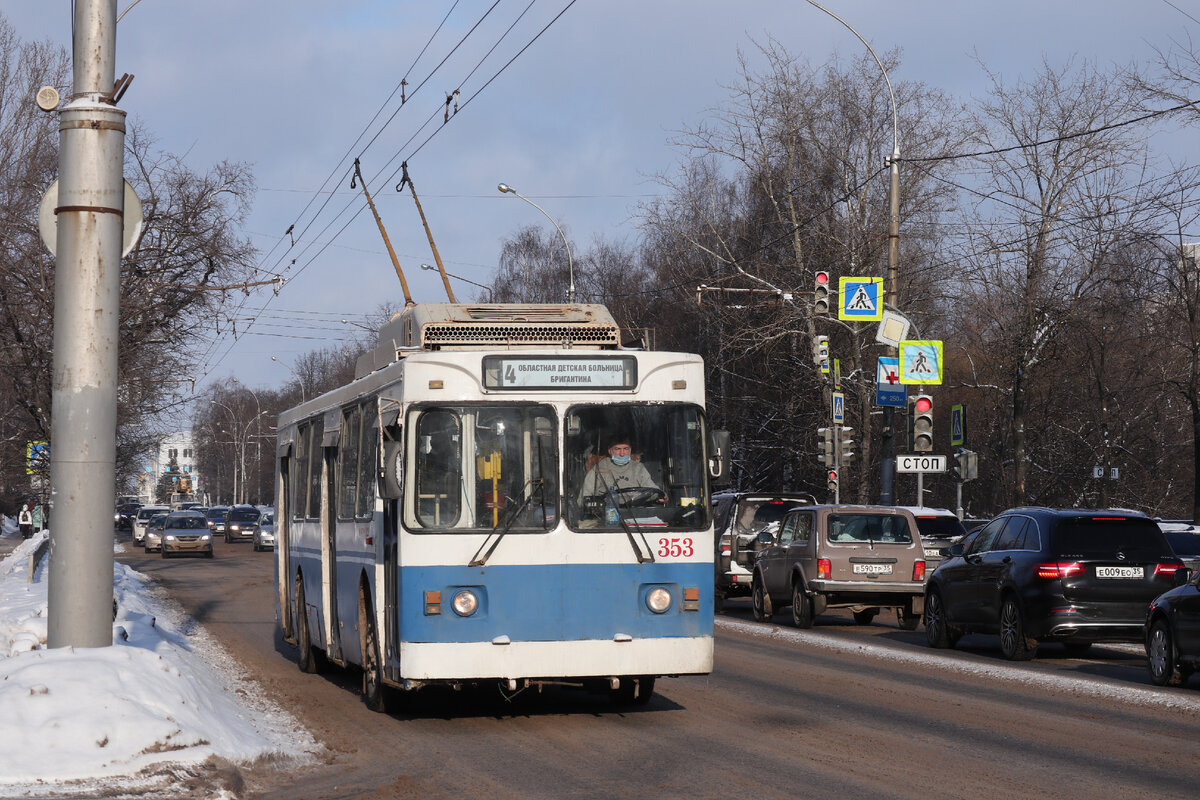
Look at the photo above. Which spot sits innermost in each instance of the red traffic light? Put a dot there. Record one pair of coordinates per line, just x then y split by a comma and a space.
833, 474
822, 278
923, 404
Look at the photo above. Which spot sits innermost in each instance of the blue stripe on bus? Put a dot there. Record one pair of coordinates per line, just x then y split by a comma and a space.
555, 602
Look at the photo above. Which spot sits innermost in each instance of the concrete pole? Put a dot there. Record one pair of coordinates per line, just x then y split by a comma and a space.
86, 310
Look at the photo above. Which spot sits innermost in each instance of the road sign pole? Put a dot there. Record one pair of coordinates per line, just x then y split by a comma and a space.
87, 290
920, 490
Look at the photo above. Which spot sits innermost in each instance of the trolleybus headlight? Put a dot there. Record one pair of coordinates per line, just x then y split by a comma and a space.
465, 603
658, 600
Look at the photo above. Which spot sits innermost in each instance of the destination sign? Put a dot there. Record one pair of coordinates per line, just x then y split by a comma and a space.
559, 372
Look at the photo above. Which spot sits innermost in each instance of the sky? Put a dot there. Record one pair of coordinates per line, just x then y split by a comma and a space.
115, 717
579, 119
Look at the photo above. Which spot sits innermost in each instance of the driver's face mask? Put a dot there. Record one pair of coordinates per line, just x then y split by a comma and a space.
621, 461
620, 454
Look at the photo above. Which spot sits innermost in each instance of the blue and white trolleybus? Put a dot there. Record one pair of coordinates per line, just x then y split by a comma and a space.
439, 520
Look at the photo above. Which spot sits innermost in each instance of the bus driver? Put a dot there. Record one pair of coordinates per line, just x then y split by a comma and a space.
617, 471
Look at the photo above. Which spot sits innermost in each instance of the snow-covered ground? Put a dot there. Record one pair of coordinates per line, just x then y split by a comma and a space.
164, 698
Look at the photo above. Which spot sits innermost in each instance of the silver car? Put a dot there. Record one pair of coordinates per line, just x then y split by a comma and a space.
264, 535
154, 532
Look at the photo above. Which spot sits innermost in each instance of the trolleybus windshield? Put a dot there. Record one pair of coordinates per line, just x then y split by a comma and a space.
486, 467
662, 485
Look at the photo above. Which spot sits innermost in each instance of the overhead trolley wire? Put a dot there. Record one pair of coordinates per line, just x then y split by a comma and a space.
300, 268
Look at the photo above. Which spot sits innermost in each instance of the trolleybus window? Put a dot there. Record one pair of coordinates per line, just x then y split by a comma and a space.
348, 458
485, 467
357, 460
636, 466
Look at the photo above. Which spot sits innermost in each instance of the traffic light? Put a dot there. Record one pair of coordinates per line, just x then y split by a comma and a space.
920, 424
833, 482
826, 444
846, 455
821, 294
821, 353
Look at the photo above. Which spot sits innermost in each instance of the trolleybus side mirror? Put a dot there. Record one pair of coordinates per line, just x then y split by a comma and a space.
718, 458
391, 478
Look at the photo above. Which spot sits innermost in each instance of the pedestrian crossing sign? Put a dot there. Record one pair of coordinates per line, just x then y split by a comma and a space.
861, 299
921, 362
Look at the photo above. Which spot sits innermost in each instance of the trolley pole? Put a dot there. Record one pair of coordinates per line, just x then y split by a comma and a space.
90, 216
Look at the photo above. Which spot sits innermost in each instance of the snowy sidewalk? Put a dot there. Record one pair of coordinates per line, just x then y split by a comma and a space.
113, 717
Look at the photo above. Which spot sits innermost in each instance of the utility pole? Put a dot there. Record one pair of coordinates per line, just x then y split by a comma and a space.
90, 216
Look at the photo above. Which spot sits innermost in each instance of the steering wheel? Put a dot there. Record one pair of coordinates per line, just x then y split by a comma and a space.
639, 495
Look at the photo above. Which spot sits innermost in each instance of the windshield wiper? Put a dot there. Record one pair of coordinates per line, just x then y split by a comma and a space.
642, 558
511, 517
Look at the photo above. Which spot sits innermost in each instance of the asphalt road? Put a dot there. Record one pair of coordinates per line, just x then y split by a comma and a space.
839, 711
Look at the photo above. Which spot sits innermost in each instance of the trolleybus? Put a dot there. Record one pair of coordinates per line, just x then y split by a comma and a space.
435, 523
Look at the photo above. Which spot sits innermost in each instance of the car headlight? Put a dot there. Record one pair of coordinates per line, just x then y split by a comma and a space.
658, 600
465, 603
170, 538
205, 538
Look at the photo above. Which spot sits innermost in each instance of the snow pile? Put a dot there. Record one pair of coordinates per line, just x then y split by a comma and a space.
161, 695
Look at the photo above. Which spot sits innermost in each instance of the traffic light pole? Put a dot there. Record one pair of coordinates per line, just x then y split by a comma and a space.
90, 217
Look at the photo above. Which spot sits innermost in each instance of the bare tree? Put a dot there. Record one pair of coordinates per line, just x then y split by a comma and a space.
786, 180
1057, 200
190, 246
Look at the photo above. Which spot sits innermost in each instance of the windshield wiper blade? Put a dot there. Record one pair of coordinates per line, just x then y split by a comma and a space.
642, 558
510, 518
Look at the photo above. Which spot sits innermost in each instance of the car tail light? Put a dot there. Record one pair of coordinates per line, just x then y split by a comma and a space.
918, 571
1059, 569
824, 568
1168, 570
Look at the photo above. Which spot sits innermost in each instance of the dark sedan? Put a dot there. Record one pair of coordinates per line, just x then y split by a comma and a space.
1034, 575
1173, 634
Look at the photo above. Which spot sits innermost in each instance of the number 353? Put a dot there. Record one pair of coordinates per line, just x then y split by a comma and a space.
674, 548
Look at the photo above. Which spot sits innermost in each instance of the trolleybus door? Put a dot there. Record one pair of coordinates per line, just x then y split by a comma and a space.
329, 547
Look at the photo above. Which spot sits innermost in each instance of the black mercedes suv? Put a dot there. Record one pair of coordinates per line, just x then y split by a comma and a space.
1036, 575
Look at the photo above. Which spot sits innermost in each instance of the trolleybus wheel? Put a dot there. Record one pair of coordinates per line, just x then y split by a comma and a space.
373, 692
310, 660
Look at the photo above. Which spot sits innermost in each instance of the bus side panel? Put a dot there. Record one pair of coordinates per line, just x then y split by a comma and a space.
355, 566
305, 557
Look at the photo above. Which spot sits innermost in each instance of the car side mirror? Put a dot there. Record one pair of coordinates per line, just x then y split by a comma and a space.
953, 551
1183, 575
766, 537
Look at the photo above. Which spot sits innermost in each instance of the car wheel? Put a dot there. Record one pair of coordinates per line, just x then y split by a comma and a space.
310, 660
761, 602
634, 691
373, 691
865, 616
1161, 660
1015, 645
802, 606
905, 617
209, 554
937, 631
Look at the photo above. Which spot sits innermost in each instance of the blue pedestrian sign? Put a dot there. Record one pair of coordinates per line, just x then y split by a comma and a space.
888, 389
839, 408
958, 425
861, 300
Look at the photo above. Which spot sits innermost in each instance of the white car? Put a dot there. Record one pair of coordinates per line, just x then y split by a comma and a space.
142, 519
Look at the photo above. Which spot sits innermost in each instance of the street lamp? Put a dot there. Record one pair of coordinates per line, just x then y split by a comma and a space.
277, 360
461, 278
233, 420
257, 443
887, 462
506, 189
